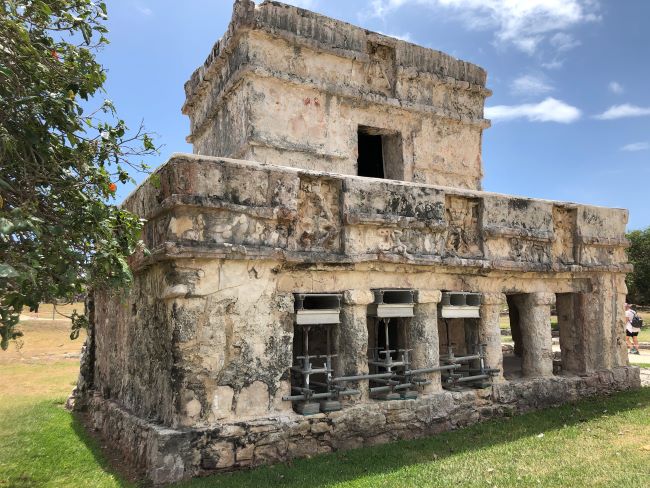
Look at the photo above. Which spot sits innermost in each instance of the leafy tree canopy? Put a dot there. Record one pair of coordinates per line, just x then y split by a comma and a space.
638, 282
60, 164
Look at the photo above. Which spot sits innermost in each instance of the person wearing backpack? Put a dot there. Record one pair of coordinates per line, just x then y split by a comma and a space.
633, 324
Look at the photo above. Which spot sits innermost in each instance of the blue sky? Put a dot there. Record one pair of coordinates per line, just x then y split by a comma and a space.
570, 110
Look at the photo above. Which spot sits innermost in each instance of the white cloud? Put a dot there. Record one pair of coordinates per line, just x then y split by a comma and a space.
623, 111
616, 87
144, 10
636, 146
563, 42
550, 110
530, 85
524, 24
555, 64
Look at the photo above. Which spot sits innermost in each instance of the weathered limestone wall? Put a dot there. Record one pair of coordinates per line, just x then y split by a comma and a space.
230, 126
235, 345
209, 324
135, 349
212, 343
219, 347
291, 87
203, 341
171, 455
238, 209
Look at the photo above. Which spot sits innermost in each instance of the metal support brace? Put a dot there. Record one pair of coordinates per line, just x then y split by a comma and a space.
477, 377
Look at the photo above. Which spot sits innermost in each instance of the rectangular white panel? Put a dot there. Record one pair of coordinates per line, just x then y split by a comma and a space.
388, 310
460, 312
315, 317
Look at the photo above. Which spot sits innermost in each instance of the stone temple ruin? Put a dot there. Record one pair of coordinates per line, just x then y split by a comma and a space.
339, 280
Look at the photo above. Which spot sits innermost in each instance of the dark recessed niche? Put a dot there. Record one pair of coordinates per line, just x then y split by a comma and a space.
380, 154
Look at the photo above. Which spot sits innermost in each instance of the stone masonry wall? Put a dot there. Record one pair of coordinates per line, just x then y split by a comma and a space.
208, 326
134, 348
222, 348
291, 87
171, 455
218, 207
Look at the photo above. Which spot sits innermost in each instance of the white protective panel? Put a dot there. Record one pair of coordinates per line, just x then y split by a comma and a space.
460, 312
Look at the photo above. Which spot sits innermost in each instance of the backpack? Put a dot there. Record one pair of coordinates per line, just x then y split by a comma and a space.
637, 322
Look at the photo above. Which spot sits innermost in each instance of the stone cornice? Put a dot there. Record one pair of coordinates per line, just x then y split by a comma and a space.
171, 251
216, 208
325, 34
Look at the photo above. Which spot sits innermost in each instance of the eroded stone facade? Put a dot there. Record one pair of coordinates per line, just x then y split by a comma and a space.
189, 371
291, 87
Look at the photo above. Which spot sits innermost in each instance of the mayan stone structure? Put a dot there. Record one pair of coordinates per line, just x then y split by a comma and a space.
326, 272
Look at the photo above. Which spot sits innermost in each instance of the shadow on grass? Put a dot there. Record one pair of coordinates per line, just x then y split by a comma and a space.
108, 460
342, 466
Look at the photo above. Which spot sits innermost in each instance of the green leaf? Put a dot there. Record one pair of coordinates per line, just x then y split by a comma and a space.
148, 143
58, 233
7, 271
6, 226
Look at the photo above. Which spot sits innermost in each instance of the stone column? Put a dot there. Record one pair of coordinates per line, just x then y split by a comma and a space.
535, 322
490, 332
600, 317
352, 340
423, 337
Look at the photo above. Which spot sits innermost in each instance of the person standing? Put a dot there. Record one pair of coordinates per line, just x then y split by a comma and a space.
631, 332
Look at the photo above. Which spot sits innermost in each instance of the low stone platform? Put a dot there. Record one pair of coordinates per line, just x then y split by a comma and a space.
645, 376
170, 455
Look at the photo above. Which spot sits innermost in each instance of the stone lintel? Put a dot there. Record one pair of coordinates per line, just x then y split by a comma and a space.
492, 298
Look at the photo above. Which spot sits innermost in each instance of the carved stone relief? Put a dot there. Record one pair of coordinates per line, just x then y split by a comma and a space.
464, 235
228, 227
529, 251
392, 241
381, 71
564, 225
319, 226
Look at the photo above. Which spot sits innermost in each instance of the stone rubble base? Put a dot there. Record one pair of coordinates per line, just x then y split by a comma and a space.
170, 455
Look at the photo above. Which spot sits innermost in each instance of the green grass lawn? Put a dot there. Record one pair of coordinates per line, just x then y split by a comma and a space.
42, 444
595, 443
603, 442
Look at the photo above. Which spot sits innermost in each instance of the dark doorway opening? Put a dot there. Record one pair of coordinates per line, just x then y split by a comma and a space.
512, 355
370, 162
